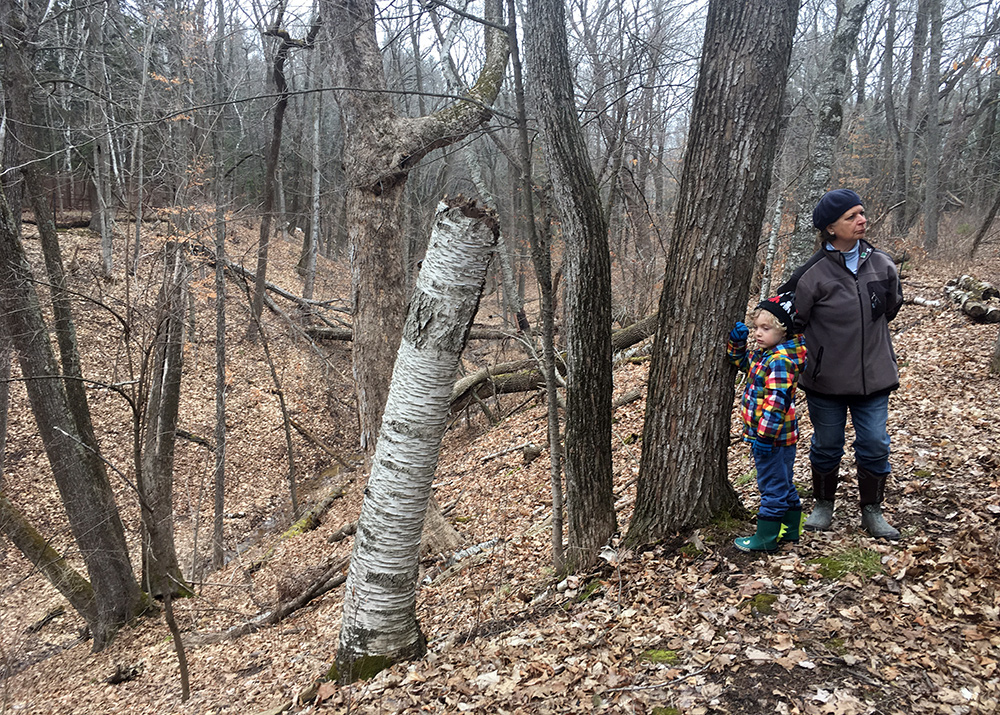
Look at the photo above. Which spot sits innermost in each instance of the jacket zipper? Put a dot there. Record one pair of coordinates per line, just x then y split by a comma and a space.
861, 307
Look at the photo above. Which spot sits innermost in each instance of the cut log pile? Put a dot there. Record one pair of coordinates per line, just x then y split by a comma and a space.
977, 299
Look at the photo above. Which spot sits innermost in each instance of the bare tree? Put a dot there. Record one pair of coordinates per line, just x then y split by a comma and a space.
380, 149
724, 185
828, 122
285, 45
82, 480
932, 174
589, 486
219, 471
161, 575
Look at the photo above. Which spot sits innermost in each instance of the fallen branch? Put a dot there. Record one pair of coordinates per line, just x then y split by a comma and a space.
297, 299
631, 396
926, 302
347, 334
502, 452
524, 375
312, 518
343, 532
301, 429
325, 582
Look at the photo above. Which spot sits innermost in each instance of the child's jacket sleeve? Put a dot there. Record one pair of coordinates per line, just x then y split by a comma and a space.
736, 352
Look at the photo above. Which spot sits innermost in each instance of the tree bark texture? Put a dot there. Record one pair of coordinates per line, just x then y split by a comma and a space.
932, 140
380, 149
724, 184
379, 618
17, 53
590, 501
86, 493
161, 574
219, 470
829, 119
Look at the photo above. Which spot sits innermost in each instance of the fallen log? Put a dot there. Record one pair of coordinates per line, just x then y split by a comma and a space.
980, 290
635, 333
979, 310
524, 375
329, 579
347, 334
302, 430
926, 302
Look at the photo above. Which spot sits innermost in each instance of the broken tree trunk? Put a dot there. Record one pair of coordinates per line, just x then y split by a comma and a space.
524, 375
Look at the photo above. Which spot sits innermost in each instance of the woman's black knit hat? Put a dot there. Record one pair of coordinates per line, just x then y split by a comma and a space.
833, 205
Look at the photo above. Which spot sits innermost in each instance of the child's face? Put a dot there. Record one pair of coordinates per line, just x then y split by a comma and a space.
764, 332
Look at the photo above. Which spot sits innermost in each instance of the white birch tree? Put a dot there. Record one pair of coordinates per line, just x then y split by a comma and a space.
379, 625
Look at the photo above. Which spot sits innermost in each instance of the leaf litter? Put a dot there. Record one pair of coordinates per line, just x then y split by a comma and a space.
689, 623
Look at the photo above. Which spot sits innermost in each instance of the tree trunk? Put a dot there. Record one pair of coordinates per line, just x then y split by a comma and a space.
541, 257
932, 160
724, 184
590, 501
86, 492
380, 149
379, 624
897, 190
161, 575
101, 221
218, 142
829, 119
49, 562
905, 218
984, 227
273, 153
312, 232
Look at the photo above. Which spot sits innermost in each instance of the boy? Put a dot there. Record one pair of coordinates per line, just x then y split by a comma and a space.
768, 410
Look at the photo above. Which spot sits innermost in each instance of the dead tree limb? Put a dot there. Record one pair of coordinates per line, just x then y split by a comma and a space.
301, 429
329, 579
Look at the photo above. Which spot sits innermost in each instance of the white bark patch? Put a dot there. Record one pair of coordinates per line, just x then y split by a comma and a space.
380, 597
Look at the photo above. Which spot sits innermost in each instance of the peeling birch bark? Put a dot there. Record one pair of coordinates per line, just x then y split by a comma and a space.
379, 624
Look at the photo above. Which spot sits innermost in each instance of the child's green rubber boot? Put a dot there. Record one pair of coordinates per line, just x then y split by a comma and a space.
764, 539
791, 527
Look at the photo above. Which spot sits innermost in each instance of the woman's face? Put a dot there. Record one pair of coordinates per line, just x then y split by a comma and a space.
848, 229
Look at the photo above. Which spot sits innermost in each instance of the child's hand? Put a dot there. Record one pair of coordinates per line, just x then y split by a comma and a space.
739, 332
762, 449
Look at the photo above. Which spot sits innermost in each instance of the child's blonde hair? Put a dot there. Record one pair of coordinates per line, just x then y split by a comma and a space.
770, 318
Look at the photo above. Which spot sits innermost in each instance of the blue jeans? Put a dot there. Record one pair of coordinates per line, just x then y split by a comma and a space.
869, 415
774, 479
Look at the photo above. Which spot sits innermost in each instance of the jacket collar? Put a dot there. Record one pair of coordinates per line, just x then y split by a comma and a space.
865, 250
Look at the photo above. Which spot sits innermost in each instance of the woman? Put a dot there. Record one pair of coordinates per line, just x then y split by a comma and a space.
845, 296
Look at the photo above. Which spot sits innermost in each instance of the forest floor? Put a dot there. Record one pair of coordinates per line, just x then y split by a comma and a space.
839, 623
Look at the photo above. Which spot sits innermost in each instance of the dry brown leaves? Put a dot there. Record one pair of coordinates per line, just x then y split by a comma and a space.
690, 624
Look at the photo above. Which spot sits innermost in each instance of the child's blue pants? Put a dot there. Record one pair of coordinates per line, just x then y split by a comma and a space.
774, 479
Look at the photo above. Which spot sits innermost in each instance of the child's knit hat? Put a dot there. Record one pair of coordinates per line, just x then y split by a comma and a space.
782, 306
